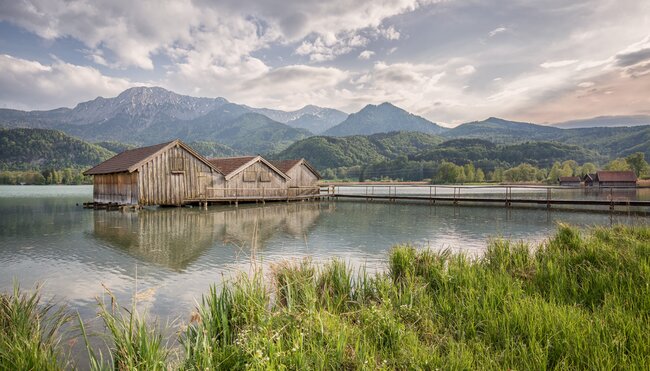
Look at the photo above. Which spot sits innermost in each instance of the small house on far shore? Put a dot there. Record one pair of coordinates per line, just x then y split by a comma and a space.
249, 176
301, 172
569, 181
590, 180
615, 179
163, 174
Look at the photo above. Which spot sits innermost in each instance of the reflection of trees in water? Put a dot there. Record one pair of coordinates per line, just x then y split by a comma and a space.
176, 237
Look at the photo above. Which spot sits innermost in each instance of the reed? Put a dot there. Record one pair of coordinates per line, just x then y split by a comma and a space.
133, 344
31, 332
578, 301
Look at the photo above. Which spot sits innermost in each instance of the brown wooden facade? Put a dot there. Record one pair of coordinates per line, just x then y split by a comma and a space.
175, 176
253, 178
165, 174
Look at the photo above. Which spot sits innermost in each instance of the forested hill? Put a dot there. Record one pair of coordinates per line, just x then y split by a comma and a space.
23, 149
489, 155
329, 152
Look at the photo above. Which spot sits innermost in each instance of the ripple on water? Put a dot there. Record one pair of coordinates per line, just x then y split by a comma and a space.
174, 255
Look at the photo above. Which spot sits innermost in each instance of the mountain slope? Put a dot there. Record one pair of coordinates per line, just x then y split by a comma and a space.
478, 151
22, 149
313, 118
383, 118
503, 131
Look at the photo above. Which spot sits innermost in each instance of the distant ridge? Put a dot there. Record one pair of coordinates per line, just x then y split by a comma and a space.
383, 118
605, 121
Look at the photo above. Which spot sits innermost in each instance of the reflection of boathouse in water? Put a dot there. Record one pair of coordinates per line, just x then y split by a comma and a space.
176, 237
174, 174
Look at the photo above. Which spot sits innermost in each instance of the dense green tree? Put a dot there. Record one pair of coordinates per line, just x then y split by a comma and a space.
618, 164
448, 173
480, 176
637, 163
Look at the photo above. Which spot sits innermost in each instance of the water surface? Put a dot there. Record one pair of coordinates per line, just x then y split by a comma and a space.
176, 253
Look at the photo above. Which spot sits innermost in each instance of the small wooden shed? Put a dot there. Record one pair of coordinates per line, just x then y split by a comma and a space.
163, 174
590, 180
569, 181
616, 178
301, 172
303, 177
249, 177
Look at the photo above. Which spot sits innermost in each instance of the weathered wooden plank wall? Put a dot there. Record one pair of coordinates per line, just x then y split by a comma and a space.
161, 182
301, 176
236, 186
116, 188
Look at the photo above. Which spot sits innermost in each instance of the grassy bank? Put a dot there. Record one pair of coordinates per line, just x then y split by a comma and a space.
579, 301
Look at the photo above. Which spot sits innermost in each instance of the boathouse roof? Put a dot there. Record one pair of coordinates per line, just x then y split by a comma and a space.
616, 176
231, 166
569, 179
130, 160
286, 165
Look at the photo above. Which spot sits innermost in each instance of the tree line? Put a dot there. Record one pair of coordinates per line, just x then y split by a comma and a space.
447, 172
48, 176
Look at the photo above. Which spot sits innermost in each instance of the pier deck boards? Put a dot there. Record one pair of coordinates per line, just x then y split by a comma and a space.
499, 200
548, 196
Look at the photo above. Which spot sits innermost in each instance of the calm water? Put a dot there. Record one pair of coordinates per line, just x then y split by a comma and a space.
174, 254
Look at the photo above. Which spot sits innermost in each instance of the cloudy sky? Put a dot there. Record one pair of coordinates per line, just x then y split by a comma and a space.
449, 61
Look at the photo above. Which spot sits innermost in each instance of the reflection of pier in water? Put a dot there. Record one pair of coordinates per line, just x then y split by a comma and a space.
176, 237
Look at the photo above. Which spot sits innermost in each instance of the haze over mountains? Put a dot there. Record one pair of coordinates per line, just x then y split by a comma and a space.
610, 121
147, 115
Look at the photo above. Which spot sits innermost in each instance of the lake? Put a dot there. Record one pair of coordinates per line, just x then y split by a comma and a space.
174, 254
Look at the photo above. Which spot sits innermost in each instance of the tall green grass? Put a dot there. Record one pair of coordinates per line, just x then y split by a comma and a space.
581, 300
31, 332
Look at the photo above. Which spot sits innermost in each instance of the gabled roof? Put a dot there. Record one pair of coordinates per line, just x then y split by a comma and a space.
231, 166
227, 165
569, 179
616, 176
287, 165
590, 177
130, 160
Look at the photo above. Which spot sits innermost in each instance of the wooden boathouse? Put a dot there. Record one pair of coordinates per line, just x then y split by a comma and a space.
173, 174
248, 177
163, 174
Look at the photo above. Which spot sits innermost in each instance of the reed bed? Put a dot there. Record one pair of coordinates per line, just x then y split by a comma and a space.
581, 300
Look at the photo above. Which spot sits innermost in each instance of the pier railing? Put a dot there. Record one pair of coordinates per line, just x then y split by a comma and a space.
504, 194
220, 193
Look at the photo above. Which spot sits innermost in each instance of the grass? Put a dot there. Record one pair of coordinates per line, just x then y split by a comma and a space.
30, 332
579, 301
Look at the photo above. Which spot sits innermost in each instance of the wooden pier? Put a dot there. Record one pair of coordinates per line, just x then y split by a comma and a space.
257, 195
547, 196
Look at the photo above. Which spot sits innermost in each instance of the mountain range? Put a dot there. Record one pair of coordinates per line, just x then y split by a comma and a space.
148, 115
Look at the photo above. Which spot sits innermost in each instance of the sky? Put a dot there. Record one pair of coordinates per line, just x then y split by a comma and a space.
448, 61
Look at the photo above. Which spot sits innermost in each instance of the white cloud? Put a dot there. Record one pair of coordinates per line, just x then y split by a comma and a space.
497, 31
557, 64
59, 84
329, 46
366, 54
465, 70
390, 33
586, 84
134, 32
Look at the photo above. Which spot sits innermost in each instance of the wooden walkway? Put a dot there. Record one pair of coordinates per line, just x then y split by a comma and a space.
262, 195
505, 198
